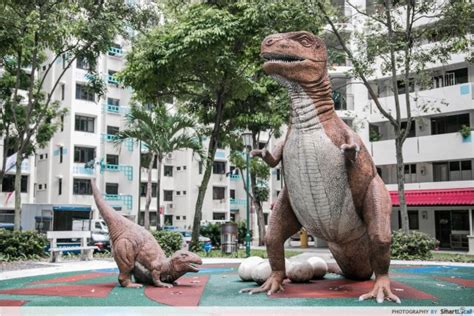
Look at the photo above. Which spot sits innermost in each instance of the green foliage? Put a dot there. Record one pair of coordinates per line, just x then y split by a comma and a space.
16, 245
412, 246
465, 131
169, 241
242, 231
213, 232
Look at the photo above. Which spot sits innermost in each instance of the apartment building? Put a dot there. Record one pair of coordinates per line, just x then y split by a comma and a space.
439, 159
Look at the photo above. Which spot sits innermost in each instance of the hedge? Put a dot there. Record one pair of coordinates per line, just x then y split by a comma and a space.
21, 245
169, 241
412, 246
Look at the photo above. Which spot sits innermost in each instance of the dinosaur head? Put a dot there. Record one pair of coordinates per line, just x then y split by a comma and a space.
296, 56
184, 261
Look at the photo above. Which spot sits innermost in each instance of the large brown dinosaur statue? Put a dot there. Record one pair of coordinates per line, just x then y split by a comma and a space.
332, 186
137, 252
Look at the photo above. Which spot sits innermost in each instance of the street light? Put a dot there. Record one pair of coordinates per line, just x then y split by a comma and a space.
247, 139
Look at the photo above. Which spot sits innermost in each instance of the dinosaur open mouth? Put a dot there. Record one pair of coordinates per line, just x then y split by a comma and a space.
193, 267
281, 58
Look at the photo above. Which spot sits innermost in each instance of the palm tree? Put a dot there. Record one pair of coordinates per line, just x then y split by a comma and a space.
162, 132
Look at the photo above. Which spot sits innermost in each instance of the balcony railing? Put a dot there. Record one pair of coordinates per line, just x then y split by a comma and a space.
112, 79
111, 138
235, 177
80, 169
115, 51
126, 169
127, 200
116, 109
238, 202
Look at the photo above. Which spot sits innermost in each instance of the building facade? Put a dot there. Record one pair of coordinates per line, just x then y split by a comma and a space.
438, 172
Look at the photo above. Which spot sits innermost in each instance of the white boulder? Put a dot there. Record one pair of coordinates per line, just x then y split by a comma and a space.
320, 267
247, 266
300, 272
261, 272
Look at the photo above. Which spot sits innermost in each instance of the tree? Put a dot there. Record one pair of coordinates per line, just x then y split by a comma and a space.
206, 55
402, 38
264, 111
36, 37
162, 133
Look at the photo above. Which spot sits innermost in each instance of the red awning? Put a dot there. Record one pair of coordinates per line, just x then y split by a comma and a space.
436, 197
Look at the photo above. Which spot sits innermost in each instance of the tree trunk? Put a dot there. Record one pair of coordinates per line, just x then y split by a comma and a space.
18, 192
401, 185
211, 152
259, 210
158, 194
146, 216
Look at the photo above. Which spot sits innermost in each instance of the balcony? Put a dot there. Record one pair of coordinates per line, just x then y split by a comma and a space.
440, 147
235, 177
126, 200
116, 109
458, 97
220, 154
127, 170
115, 52
111, 79
80, 169
111, 138
236, 202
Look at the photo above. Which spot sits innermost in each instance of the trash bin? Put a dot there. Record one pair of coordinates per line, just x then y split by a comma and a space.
229, 238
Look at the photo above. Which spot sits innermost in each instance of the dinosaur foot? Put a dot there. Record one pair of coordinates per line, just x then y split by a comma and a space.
381, 291
271, 286
133, 285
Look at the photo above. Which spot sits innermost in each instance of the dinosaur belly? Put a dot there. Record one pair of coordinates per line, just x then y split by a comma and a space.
318, 188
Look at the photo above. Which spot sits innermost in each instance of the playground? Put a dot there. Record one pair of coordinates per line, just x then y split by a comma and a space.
218, 284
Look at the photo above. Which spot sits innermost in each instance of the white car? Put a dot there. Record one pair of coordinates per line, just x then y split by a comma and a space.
188, 234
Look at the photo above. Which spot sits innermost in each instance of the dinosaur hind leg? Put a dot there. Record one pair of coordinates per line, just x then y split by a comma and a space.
353, 258
124, 256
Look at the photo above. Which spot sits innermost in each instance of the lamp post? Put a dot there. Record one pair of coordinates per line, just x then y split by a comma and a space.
247, 139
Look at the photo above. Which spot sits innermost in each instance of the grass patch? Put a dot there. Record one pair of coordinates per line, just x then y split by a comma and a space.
216, 253
452, 257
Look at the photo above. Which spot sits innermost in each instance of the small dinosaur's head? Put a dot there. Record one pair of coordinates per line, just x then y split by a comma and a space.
296, 56
184, 261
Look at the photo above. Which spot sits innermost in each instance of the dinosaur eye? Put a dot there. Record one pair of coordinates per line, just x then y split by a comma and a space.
305, 41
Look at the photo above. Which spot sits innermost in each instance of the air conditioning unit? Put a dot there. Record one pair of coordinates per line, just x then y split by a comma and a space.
170, 205
169, 156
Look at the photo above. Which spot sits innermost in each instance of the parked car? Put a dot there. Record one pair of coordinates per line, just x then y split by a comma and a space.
187, 234
99, 231
7, 226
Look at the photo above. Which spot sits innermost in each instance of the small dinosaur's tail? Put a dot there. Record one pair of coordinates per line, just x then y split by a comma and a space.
108, 213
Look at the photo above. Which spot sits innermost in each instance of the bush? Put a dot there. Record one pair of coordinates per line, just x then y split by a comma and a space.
412, 246
169, 241
213, 232
242, 231
21, 245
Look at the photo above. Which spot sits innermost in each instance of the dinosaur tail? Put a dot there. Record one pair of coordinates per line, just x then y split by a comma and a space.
108, 213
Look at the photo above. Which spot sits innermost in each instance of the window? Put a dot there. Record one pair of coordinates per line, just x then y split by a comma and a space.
232, 194
112, 159
60, 186
145, 159
449, 124
412, 132
115, 51
184, 192
168, 171
178, 217
112, 101
266, 217
8, 184
62, 123
218, 167
178, 168
401, 86
457, 76
167, 195
40, 187
82, 187
460, 220
184, 218
141, 218
413, 220
178, 192
184, 167
218, 193
410, 173
63, 87
113, 130
278, 174
278, 192
143, 186
84, 123
200, 167
111, 188
61, 153
81, 63
84, 93
453, 171
218, 216
84, 154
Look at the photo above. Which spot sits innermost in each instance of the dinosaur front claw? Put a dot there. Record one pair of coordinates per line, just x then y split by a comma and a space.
381, 291
274, 284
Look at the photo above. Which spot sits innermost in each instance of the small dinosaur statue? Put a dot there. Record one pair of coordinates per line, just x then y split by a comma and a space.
137, 252
332, 186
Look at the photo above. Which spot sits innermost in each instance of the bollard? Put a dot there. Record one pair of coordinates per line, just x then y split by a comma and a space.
303, 238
